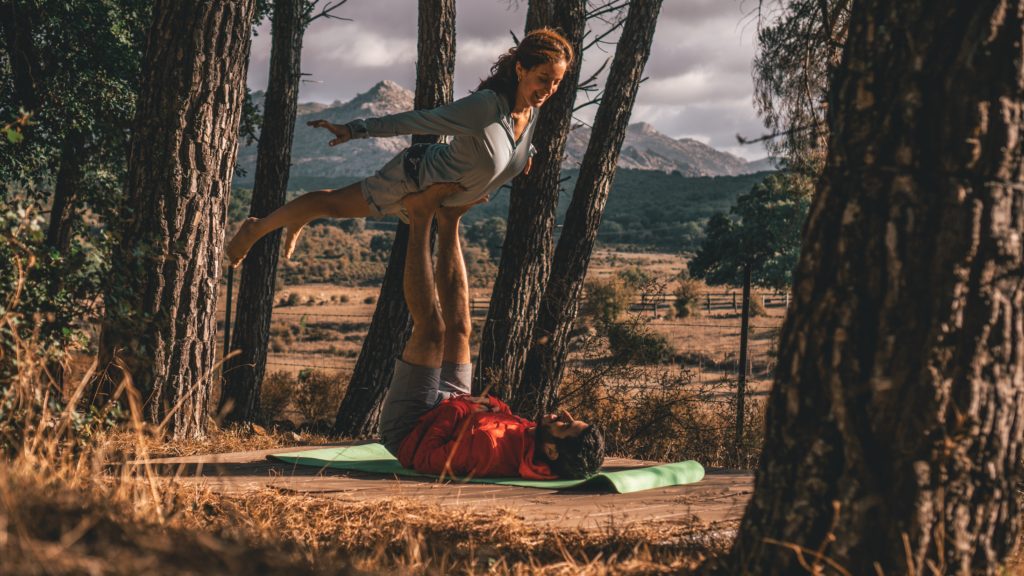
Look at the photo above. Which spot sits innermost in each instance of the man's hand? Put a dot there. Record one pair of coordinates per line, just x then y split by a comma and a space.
340, 130
451, 213
481, 403
529, 164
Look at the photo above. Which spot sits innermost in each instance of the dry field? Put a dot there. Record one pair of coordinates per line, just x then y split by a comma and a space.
321, 326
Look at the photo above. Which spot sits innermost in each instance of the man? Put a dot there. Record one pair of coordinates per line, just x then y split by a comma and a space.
429, 420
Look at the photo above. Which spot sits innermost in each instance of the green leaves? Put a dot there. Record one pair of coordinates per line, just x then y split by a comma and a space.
763, 230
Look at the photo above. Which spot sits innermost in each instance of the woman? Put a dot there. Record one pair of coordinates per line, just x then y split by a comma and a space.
492, 129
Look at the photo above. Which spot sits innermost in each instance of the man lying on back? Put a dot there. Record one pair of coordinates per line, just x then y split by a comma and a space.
429, 420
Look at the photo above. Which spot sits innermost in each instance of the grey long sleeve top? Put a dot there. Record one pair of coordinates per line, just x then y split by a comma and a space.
483, 153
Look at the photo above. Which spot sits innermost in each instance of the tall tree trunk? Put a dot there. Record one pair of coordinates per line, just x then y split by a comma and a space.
391, 323
17, 26
893, 441
160, 325
526, 253
243, 373
546, 359
69, 178
741, 380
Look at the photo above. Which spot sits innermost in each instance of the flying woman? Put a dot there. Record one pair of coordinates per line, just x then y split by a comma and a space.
491, 128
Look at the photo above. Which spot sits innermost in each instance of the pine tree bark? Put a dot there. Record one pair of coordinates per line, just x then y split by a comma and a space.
391, 324
546, 358
243, 373
526, 252
893, 441
160, 327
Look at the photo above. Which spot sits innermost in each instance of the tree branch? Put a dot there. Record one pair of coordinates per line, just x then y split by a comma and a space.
325, 12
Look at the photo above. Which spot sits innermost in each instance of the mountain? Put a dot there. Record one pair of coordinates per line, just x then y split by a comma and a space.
644, 147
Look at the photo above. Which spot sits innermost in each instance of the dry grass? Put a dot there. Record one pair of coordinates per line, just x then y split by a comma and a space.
71, 505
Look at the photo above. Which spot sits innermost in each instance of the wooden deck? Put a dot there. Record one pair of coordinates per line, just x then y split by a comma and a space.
720, 496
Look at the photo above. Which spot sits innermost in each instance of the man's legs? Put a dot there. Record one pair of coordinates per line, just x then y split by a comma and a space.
416, 379
453, 293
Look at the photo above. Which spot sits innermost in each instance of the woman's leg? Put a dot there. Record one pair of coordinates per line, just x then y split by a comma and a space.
347, 202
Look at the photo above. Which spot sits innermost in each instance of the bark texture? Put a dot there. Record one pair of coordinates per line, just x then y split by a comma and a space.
546, 358
526, 252
160, 326
893, 442
243, 373
391, 324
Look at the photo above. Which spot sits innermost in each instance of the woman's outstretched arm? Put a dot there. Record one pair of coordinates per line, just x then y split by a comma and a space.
464, 116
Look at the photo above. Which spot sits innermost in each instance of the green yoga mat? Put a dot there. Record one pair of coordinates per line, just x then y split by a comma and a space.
376, 459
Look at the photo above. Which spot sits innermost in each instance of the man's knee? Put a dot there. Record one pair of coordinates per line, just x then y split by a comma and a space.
458, 326
431, 329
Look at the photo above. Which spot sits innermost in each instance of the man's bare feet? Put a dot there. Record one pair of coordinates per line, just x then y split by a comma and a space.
242, 241
291, 239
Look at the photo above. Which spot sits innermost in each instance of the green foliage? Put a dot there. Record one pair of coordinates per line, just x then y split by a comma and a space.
763, 233
687, 298
606, 300
318, 394
637, 278
488, 233
635, 343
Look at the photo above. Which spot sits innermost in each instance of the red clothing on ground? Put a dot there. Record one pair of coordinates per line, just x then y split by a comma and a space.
453, 439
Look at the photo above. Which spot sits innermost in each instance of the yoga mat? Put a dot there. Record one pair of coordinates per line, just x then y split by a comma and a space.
376, 459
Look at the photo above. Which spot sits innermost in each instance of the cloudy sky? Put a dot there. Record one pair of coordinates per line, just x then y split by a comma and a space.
699, 84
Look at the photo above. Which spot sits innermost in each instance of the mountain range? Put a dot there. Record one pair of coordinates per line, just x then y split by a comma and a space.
644, 147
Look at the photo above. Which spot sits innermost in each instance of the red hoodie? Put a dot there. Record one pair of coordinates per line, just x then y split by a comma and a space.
454, 440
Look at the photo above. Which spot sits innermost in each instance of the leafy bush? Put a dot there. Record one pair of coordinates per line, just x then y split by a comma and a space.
687, 297
757, 306
275, 394
370, 300
318, 394
633, 342
606, 300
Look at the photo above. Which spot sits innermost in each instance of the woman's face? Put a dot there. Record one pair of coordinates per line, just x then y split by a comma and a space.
539, 83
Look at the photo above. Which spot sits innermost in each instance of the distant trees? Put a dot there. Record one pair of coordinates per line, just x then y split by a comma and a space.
761, 239
159, 328
894, 429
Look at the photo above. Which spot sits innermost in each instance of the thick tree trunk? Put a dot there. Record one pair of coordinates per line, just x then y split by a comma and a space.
893, 442
546, 358
243, 373
526, 253
160, 325
391, 323
741, 380
69, 178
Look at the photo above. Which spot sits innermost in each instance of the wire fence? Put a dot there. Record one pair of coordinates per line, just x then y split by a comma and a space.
707, 345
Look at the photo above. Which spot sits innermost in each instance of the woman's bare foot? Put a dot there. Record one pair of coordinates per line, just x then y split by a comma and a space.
242, 241
291, 239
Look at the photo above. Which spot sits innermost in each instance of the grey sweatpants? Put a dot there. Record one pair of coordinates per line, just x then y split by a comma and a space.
414, 391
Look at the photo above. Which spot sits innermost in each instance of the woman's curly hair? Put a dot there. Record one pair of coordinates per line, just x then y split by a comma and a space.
540, 46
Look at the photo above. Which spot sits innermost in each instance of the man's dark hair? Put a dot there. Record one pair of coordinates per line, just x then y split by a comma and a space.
580, 456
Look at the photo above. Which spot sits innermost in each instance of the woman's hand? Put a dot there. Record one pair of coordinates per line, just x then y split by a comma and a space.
340, 130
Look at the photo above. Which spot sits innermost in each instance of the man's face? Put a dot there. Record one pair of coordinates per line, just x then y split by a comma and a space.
561, 425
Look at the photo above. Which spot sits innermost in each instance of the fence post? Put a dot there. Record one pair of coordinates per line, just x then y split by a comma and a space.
734, 301
708, 296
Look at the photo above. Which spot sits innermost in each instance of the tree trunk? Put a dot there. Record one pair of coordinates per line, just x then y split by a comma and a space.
546, 358
741, 381
160, 325
69, 178
893, 442
391, 323
17, 27
526, 253
243, 373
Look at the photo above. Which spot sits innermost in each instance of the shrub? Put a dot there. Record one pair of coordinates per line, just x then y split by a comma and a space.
606, 300
632, 342
637, 278
275, 393
370, 300
292, 299
318, 394
344, 299
687, 298
757, 305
